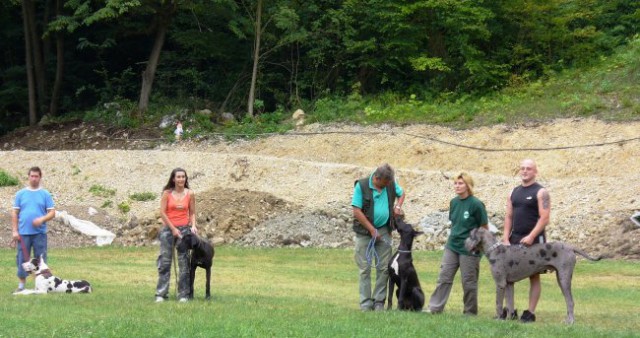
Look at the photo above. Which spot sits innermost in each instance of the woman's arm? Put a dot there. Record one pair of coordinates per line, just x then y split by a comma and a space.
192, 211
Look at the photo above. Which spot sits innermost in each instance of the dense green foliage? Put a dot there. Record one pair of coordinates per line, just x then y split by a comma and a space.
314, 53
143, 196
607, 89
296, 293
7, 180
101, 191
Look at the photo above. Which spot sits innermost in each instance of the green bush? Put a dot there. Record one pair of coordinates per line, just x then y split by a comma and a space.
266, 123
7, 180
124, 207
143, 196
101, 191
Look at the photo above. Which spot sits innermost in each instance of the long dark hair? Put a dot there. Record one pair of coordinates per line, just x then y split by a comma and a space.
171, 184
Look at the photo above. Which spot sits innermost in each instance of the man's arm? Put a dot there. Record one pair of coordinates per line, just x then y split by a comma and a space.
508, 221
544, 209
360, 216
14, 224
397, 210
51, 213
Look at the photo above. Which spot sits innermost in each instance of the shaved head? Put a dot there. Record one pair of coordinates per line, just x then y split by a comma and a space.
529, 163
528, 171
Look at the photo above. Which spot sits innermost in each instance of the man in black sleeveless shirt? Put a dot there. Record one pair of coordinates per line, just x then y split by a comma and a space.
528, 210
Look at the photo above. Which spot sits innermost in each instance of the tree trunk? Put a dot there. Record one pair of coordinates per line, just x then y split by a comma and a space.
150, 72
256, 57
57, 85
33, 116
36, 54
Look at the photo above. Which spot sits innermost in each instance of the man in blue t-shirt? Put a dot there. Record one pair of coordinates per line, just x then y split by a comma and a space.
32, 208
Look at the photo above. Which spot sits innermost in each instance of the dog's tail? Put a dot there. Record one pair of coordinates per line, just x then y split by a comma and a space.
585, 255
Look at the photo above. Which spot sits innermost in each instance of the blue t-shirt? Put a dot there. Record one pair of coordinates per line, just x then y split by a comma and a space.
380, 202
32, 204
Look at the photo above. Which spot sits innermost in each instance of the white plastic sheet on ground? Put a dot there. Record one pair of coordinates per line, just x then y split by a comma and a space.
103, 237
494, 230
636, 218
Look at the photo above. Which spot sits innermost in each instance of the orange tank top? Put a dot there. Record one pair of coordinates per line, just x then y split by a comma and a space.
178, 210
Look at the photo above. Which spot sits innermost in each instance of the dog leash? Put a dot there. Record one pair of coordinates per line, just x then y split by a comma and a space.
25, 253
371, 252
175, 270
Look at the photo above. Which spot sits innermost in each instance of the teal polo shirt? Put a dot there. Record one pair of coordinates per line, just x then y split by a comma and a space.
380, 202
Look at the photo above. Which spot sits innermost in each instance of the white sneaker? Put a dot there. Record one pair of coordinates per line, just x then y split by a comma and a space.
183, 300
159, 299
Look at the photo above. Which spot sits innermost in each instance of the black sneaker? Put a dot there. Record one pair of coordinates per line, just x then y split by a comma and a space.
527, 317
514, 314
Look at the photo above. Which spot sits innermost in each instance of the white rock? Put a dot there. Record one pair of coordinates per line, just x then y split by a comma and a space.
298, 114
92, 211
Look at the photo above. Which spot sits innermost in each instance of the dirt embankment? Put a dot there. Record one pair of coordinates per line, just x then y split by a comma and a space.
295, 189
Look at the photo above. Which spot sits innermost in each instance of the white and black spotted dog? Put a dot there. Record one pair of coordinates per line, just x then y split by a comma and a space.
47, 282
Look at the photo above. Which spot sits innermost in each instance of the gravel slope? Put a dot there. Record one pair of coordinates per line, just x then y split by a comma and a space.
308, 180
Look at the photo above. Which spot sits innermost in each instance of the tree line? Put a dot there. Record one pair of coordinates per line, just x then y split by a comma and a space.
253, 56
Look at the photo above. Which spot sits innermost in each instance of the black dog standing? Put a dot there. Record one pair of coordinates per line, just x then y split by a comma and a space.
201, 256
403, 274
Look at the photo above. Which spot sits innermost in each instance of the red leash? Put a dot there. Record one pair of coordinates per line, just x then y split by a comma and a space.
25, 253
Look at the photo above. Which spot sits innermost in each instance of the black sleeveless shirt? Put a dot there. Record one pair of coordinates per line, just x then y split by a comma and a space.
524, 201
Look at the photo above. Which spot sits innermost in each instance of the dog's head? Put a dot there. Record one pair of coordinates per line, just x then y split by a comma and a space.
31, 266
189, 241
473, 243
35, 265
407, 232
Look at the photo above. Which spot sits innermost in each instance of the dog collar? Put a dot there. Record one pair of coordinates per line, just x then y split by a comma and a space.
404, 251
46, 273
495, 245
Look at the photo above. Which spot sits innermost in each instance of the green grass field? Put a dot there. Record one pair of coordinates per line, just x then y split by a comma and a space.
295, 293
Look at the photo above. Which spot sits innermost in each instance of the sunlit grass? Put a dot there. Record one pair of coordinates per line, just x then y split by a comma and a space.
294, 292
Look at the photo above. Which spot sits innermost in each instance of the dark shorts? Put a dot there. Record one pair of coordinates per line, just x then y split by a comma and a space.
516, 238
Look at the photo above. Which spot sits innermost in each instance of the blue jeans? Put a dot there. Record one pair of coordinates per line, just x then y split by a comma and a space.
36, 243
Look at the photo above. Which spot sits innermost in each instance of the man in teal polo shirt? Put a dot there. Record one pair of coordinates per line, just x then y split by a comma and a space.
374, 211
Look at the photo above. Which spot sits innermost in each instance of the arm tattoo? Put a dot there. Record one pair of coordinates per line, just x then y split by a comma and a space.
546, 200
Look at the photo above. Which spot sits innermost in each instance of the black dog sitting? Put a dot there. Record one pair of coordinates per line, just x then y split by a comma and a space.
403, 274
201, 256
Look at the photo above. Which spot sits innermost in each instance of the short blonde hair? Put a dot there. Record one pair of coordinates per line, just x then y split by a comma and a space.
468, 180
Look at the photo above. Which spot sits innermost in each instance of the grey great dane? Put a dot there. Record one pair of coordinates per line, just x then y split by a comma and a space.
511, 263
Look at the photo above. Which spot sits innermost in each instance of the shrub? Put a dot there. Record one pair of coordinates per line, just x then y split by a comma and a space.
101, 191
76, 170
143, 196
124, 207
7, 180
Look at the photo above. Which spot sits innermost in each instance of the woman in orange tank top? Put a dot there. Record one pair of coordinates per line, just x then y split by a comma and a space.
178, 210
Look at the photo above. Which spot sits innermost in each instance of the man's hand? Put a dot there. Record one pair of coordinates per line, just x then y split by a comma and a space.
37, 222
528, 240
397, 211
375, 234
15, 235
